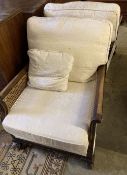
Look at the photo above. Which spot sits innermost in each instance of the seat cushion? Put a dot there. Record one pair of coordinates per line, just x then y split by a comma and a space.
95, 10
87, 40
55, 119
49, 70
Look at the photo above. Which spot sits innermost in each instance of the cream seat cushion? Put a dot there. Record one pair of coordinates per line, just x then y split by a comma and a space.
87, 40
55, 119
95, 10
49, 70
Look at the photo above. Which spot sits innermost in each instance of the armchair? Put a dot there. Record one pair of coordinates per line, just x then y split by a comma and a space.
62, 120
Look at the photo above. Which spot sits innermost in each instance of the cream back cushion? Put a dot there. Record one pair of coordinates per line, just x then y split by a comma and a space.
87, 40
95, 10
49, 70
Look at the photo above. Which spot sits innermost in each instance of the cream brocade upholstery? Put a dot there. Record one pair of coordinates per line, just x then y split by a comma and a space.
86, 9
56, 119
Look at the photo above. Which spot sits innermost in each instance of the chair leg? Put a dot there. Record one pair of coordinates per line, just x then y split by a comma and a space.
20, 144
89, 164
91, 148
90, 161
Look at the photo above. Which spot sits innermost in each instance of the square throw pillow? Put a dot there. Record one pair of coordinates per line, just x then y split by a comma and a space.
49, 70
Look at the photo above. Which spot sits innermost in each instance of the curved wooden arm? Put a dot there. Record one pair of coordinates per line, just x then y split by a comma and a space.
12, 91
99, 94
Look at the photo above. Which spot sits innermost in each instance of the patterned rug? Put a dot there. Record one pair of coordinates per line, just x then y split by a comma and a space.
29, 161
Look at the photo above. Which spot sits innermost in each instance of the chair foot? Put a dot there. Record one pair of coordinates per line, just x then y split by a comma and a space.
20, 144
90, 162
89, 165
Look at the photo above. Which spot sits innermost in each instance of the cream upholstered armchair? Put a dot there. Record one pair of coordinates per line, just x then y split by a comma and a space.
57, 102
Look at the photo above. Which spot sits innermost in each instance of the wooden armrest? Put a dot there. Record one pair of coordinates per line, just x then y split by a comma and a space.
98, 110
12, 91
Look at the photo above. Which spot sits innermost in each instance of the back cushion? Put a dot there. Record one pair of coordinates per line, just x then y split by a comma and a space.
95, 10
87, 40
